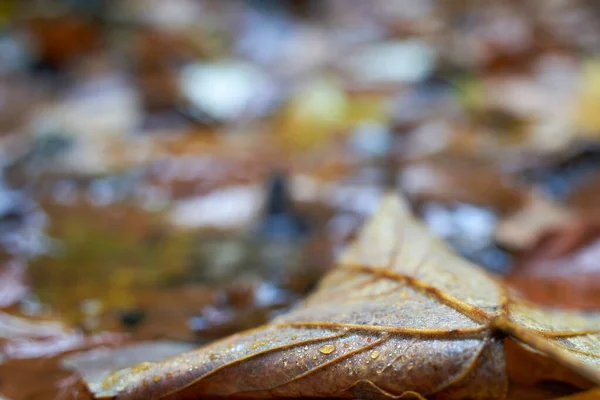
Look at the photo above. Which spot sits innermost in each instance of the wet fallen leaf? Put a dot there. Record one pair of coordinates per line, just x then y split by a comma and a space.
41, 379
589, 395
522, 228
24, 348
30, 358
119, 246
14, 327
450, 179
561, 268
161, 312
100, 362
399, 315
585, 198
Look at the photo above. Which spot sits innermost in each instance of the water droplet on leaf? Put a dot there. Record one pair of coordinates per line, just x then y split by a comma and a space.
327, 349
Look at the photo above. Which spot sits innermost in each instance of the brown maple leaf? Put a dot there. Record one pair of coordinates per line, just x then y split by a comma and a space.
400, 317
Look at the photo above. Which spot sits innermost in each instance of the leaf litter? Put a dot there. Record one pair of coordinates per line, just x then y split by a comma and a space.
400, 316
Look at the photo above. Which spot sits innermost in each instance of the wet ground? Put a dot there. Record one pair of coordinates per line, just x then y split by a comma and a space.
188, 169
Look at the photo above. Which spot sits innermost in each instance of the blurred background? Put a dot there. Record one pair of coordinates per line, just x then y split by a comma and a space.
185, 169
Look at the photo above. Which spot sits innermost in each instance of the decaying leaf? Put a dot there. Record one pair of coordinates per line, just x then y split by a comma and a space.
451, 179
100, 362
562, 267
400, 317
522, 228
13, 327
31, 353
589, 395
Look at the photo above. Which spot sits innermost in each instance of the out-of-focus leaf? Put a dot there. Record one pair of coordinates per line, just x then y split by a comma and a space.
30, 359
98, 363
12, 283
400, 315
41, 379
24, 348
587, 117
449, 179
314, 114
521, 229
64, 38
30, 338
13, 327
562, 268
471, 93
589, 395
586, 198
162, 312
101, 255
